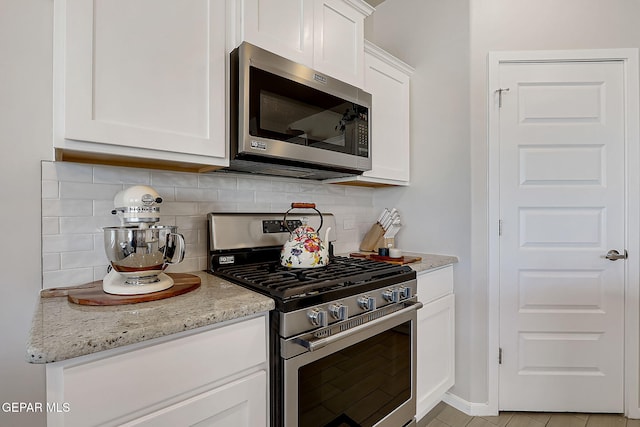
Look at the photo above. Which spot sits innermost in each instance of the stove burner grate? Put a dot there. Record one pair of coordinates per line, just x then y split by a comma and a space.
285, 283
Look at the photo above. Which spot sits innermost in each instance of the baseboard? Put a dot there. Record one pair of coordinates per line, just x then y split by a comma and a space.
469, 408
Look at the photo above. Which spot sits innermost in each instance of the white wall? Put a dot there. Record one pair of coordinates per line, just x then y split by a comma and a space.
433, 37
448, 43
25, 138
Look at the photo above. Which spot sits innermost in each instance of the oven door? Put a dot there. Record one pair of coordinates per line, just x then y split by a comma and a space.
364, 376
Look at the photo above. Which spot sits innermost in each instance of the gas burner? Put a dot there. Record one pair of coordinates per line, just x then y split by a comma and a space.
284, 283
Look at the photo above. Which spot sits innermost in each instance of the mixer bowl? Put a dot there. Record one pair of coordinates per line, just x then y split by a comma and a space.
141, 254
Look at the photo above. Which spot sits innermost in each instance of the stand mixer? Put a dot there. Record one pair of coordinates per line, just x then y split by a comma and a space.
139, 250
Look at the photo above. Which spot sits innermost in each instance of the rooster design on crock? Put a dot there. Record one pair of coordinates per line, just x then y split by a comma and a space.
305, 249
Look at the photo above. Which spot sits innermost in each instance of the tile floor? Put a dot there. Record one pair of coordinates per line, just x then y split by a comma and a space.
445, 416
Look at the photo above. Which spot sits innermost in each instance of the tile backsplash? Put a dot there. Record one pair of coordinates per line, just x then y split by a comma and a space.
77, 200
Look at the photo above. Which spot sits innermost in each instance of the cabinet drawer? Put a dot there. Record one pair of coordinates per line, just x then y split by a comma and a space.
435, 284
102, 390
241, 403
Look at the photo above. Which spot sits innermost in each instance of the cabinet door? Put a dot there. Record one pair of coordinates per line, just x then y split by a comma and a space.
284, 27
146, 74
242, 403
436, 353
109, 389
389, 87
339, 40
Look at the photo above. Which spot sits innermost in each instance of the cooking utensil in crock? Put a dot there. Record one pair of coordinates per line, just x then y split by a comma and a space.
305, 249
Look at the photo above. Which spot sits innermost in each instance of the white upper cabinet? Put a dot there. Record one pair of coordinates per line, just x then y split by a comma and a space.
326, 35
284, 27
387, 79
142, 79
339, 39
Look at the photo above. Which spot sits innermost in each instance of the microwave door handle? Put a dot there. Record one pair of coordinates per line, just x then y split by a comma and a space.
312, 345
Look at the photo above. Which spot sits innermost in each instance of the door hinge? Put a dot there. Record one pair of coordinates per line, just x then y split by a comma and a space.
500, 356
499, 227
499, 92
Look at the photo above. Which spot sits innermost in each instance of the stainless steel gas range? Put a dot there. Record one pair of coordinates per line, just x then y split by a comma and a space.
342, 340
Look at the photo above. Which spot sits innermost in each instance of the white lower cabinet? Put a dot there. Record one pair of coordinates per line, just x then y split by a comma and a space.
217, 377
436, 339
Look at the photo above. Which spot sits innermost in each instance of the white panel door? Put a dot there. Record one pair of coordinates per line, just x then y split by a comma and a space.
562, 199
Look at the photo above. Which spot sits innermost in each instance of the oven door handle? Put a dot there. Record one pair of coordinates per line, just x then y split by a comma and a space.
312, 345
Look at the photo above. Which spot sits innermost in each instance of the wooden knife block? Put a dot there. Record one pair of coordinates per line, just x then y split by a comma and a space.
374, 239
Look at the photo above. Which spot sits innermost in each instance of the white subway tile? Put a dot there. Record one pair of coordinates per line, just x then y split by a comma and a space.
69, 260
179, 208
205, 208
116, 175
50, 189
50, 262
50, 225
76, 276
75, 190
67, 243
49, 171
174, 179
188, 265
285, 186
236, 196
257, 184
191, 222
254, 207
190, 236
67, 207
196, 195
168, 194
67, 171
85, 224
269, 197
224, 182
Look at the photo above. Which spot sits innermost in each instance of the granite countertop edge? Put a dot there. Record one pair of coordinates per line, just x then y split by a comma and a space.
62, 330
430, 261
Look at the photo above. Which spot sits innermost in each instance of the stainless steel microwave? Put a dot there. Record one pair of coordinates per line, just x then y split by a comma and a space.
289, 120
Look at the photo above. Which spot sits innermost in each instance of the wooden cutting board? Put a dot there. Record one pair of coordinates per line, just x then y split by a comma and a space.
376, 257
92, 293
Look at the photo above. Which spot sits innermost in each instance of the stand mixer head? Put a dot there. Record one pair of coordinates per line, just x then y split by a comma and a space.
139, 250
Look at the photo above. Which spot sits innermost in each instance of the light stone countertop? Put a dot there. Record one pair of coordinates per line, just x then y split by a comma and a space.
62, 330
430, 261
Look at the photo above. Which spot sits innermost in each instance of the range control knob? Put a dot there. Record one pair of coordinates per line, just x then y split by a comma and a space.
339, 311
391, 295
317, 317
405, 292
367, 303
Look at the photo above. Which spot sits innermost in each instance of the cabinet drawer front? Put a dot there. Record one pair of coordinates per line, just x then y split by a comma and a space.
435, 284
241, 403
138, 382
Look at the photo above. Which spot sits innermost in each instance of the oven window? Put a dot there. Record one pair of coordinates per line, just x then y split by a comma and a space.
288, 111
359, 385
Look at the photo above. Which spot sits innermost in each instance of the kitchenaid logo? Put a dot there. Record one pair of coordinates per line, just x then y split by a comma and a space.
35, 407
226, 259
258, 145
148, 199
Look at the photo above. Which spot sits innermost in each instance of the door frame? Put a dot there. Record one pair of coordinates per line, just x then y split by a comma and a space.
629, 58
